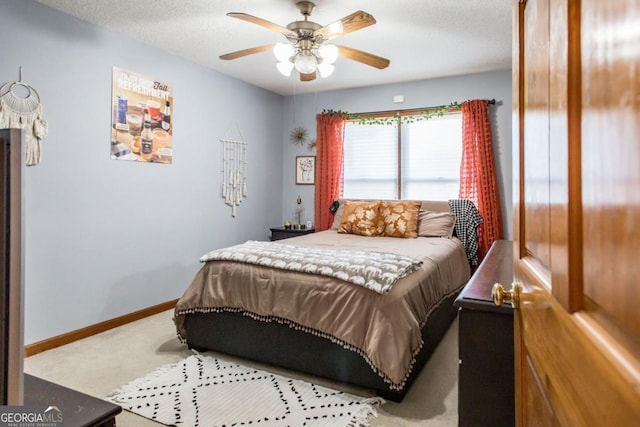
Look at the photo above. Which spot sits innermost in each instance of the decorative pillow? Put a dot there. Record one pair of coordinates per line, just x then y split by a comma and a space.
399, 218
436, 224
360, 218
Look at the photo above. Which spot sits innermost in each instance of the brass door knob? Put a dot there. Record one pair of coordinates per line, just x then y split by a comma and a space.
500, 295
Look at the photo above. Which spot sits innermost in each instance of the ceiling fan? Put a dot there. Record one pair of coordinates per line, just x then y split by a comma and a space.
306, 50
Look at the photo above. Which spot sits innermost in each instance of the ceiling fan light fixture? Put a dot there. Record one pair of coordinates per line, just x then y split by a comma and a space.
283, 52
328, 53
285, 67
326, 69
305, 62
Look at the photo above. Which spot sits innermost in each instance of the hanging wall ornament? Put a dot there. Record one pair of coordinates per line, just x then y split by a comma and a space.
234, 173
311, 144
298, 136
20, 108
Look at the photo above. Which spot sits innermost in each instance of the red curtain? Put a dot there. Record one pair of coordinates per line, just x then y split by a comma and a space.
478, 181
329, 156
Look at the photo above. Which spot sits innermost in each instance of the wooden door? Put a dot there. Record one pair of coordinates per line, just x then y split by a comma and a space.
576, 79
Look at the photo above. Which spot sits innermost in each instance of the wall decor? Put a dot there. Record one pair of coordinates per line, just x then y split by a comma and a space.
141, 118
234, 173
20, 108
311, 144
401, 117
305, 170
298, 136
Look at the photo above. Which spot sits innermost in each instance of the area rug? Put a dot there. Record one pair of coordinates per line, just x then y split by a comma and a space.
204, 391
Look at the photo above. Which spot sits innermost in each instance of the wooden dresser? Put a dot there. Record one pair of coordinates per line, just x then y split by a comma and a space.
485, 344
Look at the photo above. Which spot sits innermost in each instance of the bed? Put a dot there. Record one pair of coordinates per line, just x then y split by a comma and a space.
327, 317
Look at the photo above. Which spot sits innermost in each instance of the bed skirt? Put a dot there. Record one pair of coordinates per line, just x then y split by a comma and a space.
280, 345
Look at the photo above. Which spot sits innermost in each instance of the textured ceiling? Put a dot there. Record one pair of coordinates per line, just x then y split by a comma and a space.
422, 38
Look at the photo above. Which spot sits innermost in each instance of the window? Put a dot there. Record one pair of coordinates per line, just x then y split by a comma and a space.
415, 161
370, 161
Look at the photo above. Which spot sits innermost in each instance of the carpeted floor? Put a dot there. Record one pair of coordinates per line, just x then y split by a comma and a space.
104, 362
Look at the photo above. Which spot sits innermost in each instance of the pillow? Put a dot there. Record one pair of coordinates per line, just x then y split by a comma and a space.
399, 218
360, 218
436, 224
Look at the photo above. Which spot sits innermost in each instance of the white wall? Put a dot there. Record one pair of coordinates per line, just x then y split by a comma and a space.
301, 110
103, 237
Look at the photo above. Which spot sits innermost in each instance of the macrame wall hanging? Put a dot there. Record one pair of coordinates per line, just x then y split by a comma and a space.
20, 108
234, 172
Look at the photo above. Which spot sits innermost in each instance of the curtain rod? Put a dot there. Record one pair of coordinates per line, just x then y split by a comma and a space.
413, 110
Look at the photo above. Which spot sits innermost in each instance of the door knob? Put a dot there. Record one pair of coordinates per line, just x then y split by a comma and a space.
500, 295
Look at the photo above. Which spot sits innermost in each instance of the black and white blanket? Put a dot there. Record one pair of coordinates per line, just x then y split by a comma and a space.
468, 220
377, 271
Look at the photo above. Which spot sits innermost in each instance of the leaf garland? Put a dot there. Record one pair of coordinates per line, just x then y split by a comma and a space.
371, 119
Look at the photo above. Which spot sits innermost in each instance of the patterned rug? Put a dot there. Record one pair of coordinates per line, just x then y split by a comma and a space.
204, 391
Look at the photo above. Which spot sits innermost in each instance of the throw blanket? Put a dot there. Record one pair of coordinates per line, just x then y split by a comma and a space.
468, 220
377, 271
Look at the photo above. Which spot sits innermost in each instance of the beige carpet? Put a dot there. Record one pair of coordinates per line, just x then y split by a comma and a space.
99, 364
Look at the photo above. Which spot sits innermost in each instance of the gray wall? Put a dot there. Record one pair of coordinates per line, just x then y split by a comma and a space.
301, 110
103, 237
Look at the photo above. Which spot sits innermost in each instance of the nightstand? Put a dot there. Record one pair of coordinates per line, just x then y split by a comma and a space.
485, 344
279, 233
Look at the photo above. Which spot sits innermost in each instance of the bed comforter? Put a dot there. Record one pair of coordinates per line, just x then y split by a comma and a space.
384, 329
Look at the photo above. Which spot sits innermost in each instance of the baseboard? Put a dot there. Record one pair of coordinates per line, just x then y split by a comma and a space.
69, 337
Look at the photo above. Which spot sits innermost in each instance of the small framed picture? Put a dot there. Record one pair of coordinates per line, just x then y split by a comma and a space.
305, 170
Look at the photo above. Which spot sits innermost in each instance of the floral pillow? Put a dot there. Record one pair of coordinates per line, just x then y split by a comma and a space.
436, 224
399, 218
360, 218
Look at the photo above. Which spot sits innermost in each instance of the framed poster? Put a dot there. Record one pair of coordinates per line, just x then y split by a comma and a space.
141, 120
305, 170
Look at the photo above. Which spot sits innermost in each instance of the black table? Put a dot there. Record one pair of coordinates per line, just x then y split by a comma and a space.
78, 409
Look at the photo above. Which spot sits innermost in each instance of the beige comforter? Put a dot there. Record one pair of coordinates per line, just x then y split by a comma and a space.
384, 329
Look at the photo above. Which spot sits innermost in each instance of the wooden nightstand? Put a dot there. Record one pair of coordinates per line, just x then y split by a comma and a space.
279, 233
485, 344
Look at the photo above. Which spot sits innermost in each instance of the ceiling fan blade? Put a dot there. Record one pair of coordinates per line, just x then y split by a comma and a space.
354, 22
364, 57
307, 77
245, 52
262, 22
